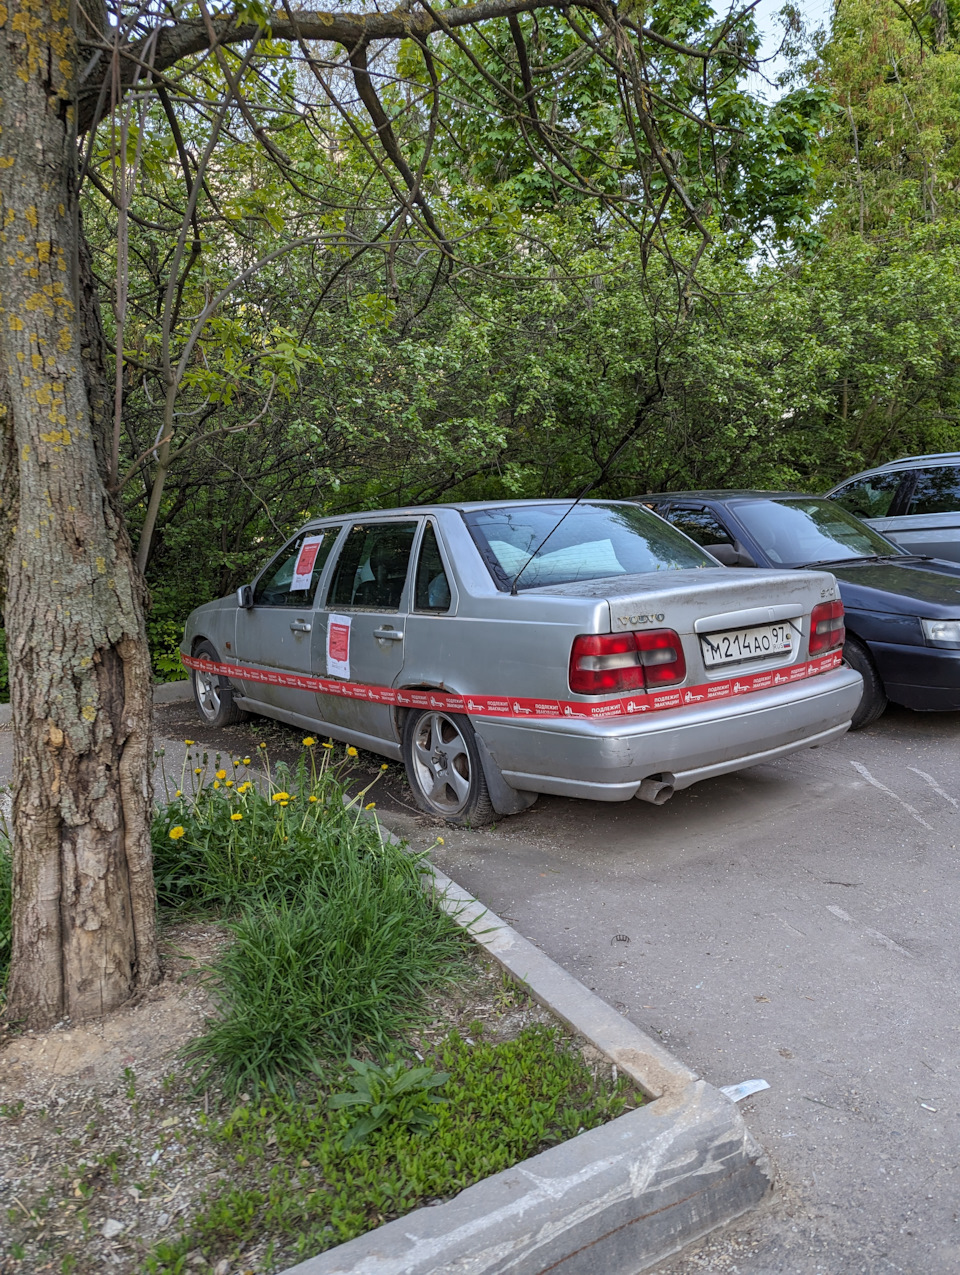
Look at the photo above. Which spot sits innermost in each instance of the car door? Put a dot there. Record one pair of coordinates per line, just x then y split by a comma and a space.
362, 624
930, 521
275, 634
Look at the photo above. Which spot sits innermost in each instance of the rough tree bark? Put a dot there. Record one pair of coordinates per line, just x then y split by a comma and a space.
84, 931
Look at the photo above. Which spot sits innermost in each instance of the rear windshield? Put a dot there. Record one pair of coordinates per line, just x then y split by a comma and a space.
802, 533
592, 541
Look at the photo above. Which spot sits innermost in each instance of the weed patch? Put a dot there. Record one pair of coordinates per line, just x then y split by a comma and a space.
300, 1182
333, 941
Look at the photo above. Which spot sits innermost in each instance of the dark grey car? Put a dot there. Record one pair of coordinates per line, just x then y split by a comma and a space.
512, 648
915, 501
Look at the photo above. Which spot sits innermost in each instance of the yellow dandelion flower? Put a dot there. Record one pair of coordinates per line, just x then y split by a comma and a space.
236, 816
384, 766
309, 742
280, 796
440, 841
246, 761
221, 774
237, 761
328, 744
312, 798
176, 833
228, 784
245, 787
178, 793
216, 783
351, 751
261, 745
283, 804
370, 805
197, 770
189, 742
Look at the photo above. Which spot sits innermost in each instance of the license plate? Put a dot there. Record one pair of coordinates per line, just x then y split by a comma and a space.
737, 645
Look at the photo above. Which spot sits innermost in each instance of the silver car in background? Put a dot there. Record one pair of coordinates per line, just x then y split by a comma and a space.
511, 648
914, 501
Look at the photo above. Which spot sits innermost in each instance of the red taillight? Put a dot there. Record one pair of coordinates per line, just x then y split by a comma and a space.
826, 627
661, 656
612, 663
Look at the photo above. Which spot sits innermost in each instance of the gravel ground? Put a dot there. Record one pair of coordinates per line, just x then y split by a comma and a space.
103, 1150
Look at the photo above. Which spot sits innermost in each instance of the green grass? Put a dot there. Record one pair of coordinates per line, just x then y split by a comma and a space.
221, 840
295, 1182
333, 941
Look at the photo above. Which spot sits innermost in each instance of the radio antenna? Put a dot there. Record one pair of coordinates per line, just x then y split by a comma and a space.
586, 491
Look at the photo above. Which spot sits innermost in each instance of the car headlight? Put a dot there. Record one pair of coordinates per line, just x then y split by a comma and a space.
942, 632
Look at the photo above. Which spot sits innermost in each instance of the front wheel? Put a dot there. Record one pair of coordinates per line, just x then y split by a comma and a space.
444, 768
874, 698
213, 694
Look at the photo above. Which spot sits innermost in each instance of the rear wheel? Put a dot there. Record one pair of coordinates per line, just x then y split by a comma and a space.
444, 768
213, 694
874, 698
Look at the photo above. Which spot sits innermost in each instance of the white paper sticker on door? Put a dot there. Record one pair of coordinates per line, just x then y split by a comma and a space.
303, 571
338, 646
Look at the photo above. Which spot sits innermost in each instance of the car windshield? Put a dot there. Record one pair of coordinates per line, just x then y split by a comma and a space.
592, 541
795, 532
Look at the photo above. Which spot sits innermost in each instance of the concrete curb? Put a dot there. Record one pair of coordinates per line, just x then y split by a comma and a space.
164, 693
615, 1200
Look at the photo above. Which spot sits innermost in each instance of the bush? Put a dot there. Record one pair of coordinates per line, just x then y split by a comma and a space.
335, 941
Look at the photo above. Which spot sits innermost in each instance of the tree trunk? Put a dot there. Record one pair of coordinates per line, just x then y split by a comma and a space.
84, 935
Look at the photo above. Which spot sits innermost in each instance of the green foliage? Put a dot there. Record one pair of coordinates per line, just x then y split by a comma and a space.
894, 150
296, 1182
393, 1093
816, 336
335, 941
231, 833
345, 960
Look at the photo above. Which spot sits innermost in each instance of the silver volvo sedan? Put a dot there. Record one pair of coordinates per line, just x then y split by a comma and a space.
510, 648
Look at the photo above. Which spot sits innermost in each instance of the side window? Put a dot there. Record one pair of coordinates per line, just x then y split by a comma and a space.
298, 563
701, 526
372, 568
869, 497
432, 591
937, 491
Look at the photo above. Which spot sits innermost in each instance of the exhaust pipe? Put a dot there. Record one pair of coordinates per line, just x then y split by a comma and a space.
656, 789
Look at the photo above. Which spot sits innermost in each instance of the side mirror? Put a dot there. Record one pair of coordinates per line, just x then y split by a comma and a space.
245, 597
731, 555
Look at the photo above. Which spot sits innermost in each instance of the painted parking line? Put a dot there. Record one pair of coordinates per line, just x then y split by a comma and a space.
885, 939
911, 810
935, 786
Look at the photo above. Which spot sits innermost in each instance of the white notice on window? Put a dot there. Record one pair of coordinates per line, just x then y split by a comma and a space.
338, 645
303, 571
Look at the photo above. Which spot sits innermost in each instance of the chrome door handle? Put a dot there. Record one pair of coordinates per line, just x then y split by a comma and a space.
298, 626
388, 635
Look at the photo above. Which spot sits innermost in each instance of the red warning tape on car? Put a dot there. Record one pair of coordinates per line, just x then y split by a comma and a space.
504, 706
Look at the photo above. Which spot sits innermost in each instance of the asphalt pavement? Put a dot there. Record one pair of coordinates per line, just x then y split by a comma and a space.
796, 923
799, 923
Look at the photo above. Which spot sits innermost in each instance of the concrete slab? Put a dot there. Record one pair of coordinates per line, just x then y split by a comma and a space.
613, 1200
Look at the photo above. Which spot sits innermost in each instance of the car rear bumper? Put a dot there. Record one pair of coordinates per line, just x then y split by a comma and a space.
921, 677
607, 760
